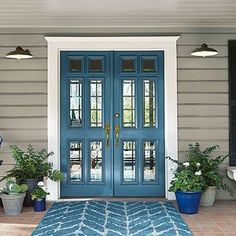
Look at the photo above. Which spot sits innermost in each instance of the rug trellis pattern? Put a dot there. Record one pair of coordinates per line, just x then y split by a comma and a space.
112, 218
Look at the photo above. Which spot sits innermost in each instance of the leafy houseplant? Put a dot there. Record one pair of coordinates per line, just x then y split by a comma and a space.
31, 167
187, 184
210, 171
38, 196
13, 196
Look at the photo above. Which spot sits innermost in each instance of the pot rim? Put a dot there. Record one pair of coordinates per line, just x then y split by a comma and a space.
179, 191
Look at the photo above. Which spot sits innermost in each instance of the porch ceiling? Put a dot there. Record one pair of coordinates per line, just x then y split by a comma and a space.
116, 13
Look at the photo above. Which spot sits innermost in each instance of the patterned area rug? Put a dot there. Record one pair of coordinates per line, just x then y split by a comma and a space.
96, 218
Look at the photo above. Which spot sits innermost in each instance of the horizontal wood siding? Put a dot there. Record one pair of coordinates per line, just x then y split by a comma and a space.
202, 95
23, 96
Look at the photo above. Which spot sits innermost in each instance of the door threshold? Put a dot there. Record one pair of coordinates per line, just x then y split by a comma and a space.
112, 199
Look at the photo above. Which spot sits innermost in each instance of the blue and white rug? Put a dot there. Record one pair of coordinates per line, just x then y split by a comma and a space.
112, 218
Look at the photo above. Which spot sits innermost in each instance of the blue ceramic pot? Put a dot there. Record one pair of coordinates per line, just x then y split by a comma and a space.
39, 205
188, 202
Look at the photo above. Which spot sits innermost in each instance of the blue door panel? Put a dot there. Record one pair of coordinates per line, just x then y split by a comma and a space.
81, 73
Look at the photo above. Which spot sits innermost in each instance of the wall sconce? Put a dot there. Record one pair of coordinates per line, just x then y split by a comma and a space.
19, 53
204, 51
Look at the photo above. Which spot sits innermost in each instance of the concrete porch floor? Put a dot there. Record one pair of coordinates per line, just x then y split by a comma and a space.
210, 221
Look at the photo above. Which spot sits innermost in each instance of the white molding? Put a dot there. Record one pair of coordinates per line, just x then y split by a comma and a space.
167, 44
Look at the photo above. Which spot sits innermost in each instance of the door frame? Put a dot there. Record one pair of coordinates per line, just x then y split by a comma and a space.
152, 43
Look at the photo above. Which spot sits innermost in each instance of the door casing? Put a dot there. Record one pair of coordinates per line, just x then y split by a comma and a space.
165, 43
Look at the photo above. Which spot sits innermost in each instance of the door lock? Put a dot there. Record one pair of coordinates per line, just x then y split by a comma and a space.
117, 115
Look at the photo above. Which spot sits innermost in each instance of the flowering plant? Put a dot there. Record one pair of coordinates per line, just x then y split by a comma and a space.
209, 165
188, 177
39, 192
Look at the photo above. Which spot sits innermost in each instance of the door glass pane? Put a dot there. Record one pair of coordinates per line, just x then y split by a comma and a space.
75, 103
75, 65
148, 65
149, 103
96, 161
129, 161
129, 103
95, 65
96, 103
128, 65
149, 160
75, 161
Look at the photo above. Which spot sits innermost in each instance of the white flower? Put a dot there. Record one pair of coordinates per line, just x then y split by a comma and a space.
41, 184
186, 164
198, 164
198, 172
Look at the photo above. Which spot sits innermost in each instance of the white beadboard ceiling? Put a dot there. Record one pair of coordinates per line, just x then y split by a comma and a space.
107, 13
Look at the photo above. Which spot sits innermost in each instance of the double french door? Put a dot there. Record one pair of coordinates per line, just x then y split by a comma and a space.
112, 123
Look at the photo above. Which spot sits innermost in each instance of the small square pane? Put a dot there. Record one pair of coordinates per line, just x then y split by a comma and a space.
95, 65
148, 65
128, 65
75, 65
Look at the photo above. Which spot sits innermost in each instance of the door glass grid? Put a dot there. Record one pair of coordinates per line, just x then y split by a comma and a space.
96, 103
96, 161
129, 103
75, 103
149, 148
129, 160
75, 161
149, 103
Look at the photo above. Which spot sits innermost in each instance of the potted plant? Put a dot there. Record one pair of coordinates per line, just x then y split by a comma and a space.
31, 167
39, 197
187, 185
210, 172
12, 197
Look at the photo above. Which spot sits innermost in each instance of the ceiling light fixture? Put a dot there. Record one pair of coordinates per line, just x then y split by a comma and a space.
204, 51
19, 53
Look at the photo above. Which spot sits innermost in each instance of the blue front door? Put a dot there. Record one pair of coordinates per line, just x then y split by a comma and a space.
112, 123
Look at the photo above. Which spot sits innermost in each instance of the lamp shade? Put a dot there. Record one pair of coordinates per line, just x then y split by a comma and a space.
19, 53
204, 51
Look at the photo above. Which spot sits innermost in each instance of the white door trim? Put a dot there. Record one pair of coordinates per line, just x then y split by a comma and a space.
165, 43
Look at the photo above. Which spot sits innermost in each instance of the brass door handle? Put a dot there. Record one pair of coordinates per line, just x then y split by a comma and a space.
117, 132
107, 132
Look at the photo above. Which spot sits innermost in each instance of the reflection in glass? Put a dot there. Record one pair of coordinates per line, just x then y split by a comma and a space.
96, 161
95, 103
75, 65
129, 161
75, 161
148, 65
128, 103
76, 103
128, 65
149, 103
149, 160
95, 65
